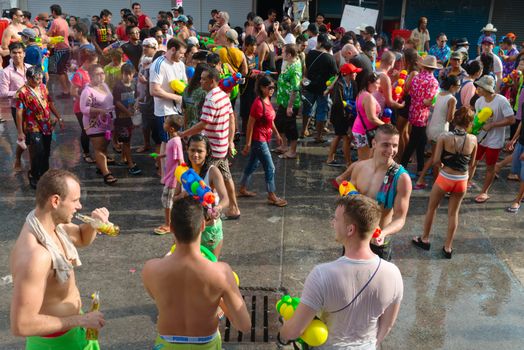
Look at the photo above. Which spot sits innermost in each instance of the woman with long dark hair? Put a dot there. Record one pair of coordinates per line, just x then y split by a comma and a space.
260, 127
199, 155
193, 98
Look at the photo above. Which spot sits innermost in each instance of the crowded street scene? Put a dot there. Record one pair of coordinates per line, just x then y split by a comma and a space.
287, 174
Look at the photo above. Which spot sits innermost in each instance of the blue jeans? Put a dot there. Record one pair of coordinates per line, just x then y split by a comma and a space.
321, 109
517, 165
260, 153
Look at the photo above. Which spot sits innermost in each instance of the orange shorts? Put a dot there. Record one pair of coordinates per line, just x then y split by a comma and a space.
452, 183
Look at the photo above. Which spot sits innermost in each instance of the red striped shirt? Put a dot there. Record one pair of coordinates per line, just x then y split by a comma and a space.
216, 112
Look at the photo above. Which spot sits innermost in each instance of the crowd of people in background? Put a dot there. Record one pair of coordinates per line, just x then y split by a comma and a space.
297, 81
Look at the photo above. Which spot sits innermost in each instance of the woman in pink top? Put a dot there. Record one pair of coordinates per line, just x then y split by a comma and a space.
80, 79
260, 126
368, 112
96, 104
468, 89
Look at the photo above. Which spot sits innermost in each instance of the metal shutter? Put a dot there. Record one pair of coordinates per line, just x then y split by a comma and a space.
201, 11
456, 19
507, 18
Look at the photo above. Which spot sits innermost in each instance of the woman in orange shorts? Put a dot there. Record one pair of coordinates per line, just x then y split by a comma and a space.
455, 152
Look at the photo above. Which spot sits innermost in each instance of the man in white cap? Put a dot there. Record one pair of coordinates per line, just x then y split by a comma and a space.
492, 136
488, 31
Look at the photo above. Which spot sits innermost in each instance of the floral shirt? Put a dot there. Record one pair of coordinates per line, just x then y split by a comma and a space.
289, 81
36, 111
509, 66
441, 53
423, 86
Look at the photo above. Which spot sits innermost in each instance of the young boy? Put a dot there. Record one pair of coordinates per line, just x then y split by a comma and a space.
124, 100
174, 156
113, 70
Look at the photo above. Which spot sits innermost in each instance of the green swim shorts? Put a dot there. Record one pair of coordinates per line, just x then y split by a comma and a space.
215, 344
74, 339
212, 235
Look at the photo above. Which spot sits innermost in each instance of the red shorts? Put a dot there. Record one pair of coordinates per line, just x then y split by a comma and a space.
452, 183
492, 154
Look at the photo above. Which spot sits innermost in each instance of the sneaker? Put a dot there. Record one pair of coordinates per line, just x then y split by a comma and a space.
134, 170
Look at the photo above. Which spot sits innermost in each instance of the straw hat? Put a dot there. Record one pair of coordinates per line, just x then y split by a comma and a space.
430, 62
489, 28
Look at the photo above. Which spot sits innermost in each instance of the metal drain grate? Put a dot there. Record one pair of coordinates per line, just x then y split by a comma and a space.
264, 319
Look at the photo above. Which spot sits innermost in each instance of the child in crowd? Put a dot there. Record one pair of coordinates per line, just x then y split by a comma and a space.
124, 100
113, 69
174, 156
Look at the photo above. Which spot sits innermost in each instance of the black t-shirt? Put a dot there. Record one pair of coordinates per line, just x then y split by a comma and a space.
104, 34
134, 52
362, 61
125, 95
320, 67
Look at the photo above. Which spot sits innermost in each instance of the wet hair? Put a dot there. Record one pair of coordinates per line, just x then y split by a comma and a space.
370, 79
398, 44
411, 59
132, 19
449, 82
463, 117
15, 46
174, 121
92, 68
487, 63
361, 211
127, 68
194, 82
177, 44
53, 182
213, 59
387, 129
82, 28
33, 71
291, 49
209, 154
13, 11
56, 9
213, 73
262, 82
105, 12
86, 55
27, 15
250, 40
187, 215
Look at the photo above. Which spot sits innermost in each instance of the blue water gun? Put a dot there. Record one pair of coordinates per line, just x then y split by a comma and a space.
194, 185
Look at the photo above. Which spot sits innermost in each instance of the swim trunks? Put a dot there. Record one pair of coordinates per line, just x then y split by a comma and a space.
212, 235
74, 339
214, 344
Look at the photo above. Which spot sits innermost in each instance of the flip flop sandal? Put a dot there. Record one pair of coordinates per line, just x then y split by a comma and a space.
285, 156
279, 202
246, 194
230, 217
160, 230
512, 209
513, 177
109, 179
446, 254
481, 199
421, 244
278, 151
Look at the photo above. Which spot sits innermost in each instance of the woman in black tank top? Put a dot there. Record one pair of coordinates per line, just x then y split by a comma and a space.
455, 152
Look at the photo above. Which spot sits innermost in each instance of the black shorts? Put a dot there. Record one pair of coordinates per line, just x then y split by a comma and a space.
123, 129
62, 60
287, 125
342, 124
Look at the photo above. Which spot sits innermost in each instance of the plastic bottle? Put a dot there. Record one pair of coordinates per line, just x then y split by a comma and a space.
92, 333
104, 227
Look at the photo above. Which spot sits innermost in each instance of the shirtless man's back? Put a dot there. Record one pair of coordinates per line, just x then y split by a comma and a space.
188, 288
46, 301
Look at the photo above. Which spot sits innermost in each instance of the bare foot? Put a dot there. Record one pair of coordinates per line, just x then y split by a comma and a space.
17, 166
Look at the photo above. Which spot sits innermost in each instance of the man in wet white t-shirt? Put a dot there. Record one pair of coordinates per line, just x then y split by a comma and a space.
358, 295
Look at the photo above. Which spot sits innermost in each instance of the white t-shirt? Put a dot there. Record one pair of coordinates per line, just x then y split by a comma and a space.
501, 109
332, 286
497, 64
290, 39
163, 71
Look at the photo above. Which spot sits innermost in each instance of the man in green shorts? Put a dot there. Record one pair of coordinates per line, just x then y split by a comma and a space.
46, 306
188, 289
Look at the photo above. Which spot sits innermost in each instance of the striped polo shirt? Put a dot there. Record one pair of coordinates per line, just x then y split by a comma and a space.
215, 113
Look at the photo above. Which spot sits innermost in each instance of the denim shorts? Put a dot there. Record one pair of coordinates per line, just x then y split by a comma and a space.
320, 102
517, 165
157, 130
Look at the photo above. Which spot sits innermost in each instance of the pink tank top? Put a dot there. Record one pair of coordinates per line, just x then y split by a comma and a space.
357, 126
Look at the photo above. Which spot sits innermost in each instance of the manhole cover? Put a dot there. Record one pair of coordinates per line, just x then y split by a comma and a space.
264, 318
